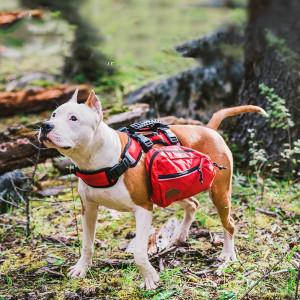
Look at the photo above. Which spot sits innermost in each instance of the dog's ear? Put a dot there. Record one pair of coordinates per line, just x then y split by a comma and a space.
94, 103
74, 97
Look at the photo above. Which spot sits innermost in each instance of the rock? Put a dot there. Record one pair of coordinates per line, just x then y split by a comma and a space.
71, 296
10, 185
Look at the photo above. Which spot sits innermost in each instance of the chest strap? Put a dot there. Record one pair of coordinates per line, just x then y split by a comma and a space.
107, 177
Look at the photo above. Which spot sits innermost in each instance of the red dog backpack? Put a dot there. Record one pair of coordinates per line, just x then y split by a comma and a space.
177, 172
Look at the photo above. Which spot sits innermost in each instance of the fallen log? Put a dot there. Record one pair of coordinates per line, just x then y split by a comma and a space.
200, 91
35, 100
196, 93
19, 144
9, 18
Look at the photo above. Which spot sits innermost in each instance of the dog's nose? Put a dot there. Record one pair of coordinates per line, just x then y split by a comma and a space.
47, 127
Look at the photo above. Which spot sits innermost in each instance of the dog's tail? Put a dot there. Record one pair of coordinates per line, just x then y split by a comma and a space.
220, 115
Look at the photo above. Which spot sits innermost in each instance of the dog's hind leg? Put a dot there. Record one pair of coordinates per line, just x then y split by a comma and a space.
220, 195
143, 219
190, 206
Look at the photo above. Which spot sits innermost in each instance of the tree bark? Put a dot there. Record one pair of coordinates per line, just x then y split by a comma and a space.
35, 100
274, 63
19, 144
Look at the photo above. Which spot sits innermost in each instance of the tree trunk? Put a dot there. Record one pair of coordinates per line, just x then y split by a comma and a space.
271, 50
19, 144
85, 63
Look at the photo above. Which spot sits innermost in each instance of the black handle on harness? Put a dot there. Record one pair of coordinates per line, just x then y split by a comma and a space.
146, 125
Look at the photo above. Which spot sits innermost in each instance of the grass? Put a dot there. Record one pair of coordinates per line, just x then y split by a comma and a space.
25, 266
139, 38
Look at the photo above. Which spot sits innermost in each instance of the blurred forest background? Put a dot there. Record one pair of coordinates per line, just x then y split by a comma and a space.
150, 59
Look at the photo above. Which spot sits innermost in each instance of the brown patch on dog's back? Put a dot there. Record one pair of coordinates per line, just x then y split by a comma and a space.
136, 180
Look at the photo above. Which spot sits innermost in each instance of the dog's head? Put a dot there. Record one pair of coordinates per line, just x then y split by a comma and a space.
72, 125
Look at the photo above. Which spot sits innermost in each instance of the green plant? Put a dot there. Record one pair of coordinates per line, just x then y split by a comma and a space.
287, 55
279, 117
228, 295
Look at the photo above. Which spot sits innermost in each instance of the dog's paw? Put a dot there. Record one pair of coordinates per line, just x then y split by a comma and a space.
79, 270
150, 282
179, 238
223, 261
227, 256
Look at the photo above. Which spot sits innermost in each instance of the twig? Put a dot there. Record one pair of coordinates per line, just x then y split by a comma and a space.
162, 253
11, 203
16, 189
74, 209
203, 285
280, 271
263, 276
27, 192
51, 201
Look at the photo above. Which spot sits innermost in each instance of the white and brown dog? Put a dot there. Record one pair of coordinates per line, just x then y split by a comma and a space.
78, 131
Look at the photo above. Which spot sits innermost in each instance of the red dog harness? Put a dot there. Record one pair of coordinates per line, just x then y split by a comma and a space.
107, 177
137, 144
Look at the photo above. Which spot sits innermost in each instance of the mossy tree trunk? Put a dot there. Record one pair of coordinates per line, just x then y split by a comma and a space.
85, 62
272, 50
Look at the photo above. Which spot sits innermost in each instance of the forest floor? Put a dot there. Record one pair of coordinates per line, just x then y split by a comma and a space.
142, 48
267, 229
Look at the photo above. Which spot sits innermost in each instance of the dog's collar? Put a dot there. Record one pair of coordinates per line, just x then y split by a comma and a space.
107, 177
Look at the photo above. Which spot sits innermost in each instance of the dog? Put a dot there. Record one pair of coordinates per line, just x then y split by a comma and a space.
78, 132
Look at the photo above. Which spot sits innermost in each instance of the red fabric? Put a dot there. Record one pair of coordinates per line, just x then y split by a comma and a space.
99, 179
134, 149
96, 180
160, 136
182, 164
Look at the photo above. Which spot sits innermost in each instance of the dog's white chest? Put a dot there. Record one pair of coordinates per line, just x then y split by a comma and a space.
116, 197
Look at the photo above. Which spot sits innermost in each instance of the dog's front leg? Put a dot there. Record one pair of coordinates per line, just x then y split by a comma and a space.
89, 220
143, 219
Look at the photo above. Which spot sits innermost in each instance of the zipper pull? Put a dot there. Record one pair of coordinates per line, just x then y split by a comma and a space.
220, 167
200, 171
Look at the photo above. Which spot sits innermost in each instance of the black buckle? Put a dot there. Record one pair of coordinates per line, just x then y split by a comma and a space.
117, 170
171, 136
143, 141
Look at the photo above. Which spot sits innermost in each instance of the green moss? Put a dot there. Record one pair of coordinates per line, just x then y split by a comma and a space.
286, 54
44, 83
118, 110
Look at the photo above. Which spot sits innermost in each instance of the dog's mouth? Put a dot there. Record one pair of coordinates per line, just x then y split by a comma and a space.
46, 140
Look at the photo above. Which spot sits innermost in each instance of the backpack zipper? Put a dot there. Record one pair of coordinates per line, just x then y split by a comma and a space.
180, 174
152, 159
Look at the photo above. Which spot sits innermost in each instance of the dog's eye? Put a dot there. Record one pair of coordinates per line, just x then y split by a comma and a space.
53, 115
73, 118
